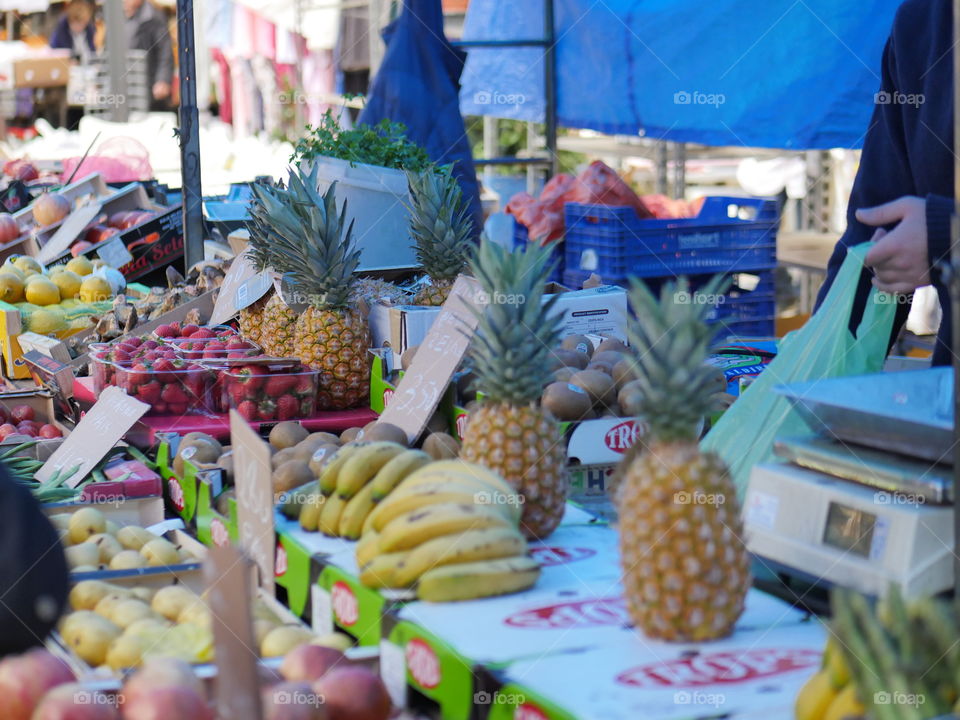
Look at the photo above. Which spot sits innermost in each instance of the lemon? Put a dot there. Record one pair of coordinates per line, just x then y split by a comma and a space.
80, 265
46, 321
11, 287
11, 268
68, 282
94, 288
55, 270
845, 705
27, 265
42, 291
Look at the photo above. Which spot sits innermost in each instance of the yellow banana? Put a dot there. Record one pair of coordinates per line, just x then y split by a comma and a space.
328, 477
465, 581
814, 697
368, 523
368, 547
478, 474
330, 515
355, 512
417, 526
393, 473
292, 501
470, 546
844, 704
310, 512
381, 572
360, 468
403, 501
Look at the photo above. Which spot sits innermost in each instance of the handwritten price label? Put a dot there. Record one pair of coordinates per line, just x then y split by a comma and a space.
254, 496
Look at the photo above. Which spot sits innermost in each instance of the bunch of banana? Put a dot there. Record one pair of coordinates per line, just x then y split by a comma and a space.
450, 529
829, 694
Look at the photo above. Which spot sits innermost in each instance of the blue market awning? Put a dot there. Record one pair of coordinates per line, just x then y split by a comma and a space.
798, 75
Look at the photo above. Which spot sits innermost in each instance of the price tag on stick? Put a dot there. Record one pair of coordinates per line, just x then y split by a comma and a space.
255, 522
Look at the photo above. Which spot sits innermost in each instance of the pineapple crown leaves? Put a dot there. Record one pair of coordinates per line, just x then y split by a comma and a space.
671, 339
516, 331
439, 222
306, 239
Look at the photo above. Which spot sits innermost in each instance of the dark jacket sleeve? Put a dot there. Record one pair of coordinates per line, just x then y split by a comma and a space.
60, 37
884, 175
162, 50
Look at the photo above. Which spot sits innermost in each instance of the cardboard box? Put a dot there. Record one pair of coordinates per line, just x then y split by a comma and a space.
41, 72
181, 492
214, 528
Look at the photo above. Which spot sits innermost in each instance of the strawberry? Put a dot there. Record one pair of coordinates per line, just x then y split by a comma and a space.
160, 408
237, 344
202, 333
248, 409
277, 385
149, 392
177, 408
237, 394
188, 330
169, 353
163, 365
236, 355
133, 342
287, 407
166, 331
252, 376
137, 375
267, 410
173, 393
120, 355
305, 384
150, 344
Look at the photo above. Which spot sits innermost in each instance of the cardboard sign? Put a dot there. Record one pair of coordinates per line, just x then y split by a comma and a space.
100, 429
68, 232
48, 372
113, 252
227, 576
441, 351
242, 286
255, 522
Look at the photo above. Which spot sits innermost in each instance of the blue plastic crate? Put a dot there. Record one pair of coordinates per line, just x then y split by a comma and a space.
521, 239
728, 235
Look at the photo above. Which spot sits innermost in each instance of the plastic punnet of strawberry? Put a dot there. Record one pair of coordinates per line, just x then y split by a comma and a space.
176, 332
169, 386
234, 348
261, 393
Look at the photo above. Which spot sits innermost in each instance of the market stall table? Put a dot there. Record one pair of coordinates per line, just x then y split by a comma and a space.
809, 253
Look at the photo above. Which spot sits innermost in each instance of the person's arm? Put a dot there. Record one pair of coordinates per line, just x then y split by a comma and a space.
163, 53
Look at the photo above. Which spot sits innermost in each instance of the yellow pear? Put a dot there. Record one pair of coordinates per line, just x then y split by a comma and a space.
27, 265
150, 628
109, 602
11, 287
196, 614
126, 652
144, 593
84, 523
160, 551
127, 560
337, 640
84, 554
108, 544
87, 593
134, 537
279, 641
90, 638
129, 611
262, 628
172, 600
61, 521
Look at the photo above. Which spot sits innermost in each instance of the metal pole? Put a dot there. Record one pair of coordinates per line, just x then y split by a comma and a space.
661, 147
680, 171
189, 137
550, 86
117, 51
954, 285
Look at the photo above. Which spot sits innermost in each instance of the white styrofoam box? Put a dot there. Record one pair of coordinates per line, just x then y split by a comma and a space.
377, 203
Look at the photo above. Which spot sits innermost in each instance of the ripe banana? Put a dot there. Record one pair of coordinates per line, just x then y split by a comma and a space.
417, 526
478, 474
368, 523
355, 512
368, 547
330, 515
470, 546
393, 473
403, 501
381, 572
328, 477
292, 501
360, 468
465, 581
310, 511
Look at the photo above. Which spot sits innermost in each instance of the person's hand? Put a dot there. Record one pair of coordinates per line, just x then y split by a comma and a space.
899, 257
161, 90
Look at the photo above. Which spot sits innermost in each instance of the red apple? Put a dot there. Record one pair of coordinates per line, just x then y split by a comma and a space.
26, 172
21, 413
80, 247
162, 671
3, 415
7, 430
26, 678
27, 430
9, 230
166, 702
76, 702
353, 693
307, 663
292, 701
50, 431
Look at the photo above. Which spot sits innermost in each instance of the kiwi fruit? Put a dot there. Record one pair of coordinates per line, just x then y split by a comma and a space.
223, 501
291, 474
321, 456
599, 386
563, 374
607, 357
199, 450
287, 434
323, 438
611, 344
385, 431
225, 463
568, 358
566, 401
577, 343
623, 372
441, 446
282, 456
601, 367
406, 358
629, 398
349, 435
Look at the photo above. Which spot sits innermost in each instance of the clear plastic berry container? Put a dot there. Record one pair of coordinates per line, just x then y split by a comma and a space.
265, 392
211, 349
175, 332
169, 387
102, 370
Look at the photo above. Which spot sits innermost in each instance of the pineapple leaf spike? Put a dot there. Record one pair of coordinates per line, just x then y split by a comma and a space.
440, 222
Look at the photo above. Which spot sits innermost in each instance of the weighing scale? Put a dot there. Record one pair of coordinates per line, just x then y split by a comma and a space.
862, 503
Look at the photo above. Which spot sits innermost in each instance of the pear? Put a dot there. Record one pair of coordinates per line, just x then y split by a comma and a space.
129, 611
159, 552
86, 594
144, 593
85, 553
127, 560
84, 523
196, 614
90, 638
133, 537
109, 602
172, 600
112, 528
108, 544
279, 641
337, 640
150, 629
261, 628
126, 651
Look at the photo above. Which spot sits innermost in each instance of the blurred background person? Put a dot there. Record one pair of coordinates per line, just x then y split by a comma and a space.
146, 29
75, 31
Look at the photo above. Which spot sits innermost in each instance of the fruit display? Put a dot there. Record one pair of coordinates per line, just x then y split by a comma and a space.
442, 231
685, 564
267, 390
830, 692
21, 420
50, 208
509, 358
301, 236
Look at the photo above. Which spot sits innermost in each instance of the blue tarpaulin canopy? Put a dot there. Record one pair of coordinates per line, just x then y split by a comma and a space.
798, 74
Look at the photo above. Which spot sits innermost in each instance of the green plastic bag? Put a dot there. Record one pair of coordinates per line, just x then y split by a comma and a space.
822, 348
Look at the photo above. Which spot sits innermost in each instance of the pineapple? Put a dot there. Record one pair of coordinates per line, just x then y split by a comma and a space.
251, 320
316, 254
510, 358
685, 566
441, 227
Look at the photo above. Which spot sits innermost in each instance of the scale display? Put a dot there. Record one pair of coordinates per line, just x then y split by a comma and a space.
849, 529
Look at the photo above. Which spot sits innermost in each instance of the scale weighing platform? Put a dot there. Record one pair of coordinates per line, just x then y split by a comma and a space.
867, 500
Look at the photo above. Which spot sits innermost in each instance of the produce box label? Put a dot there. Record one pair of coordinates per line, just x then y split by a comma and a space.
355, 609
